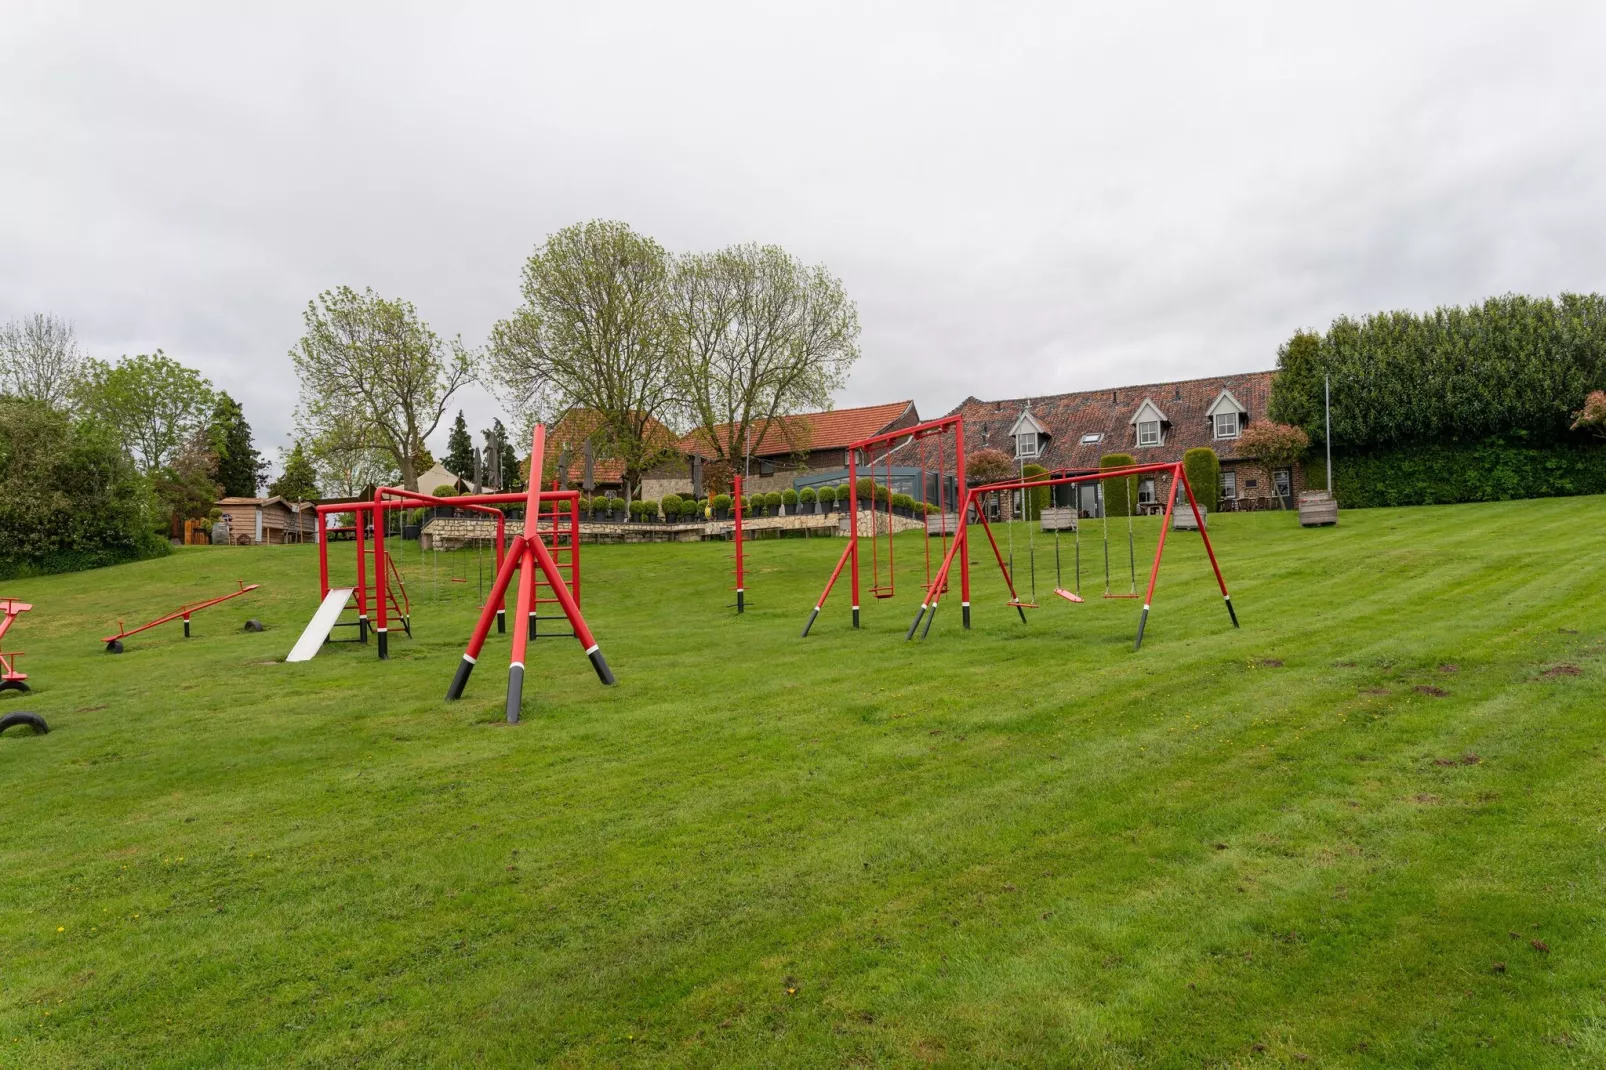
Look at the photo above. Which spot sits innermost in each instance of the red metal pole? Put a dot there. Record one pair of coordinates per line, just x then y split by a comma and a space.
381, 576
1159, 548
571, 609
500, 601
846, 550
359, 511
963, 535
574, 546
1200, 520
853, 528
741, 597
521, 632
323, 555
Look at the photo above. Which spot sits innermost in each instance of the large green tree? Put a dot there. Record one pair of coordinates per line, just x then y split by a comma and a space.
155, 404
499, 444
370, 367
239, 468
298, 480
595, 332
759, 335
459, 459
70, 497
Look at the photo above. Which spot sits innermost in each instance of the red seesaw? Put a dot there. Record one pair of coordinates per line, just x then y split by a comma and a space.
114, 643
10, 678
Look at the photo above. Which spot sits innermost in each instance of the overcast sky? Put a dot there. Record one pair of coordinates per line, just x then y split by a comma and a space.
1023, 199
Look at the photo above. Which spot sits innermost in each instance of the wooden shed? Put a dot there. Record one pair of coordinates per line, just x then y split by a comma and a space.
272, 521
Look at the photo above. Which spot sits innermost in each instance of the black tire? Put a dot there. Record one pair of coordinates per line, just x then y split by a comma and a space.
253, 625
114, 647
32, 720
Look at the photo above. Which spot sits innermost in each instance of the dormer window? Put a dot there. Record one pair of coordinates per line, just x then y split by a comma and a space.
1026, 444
1148, 424
1148, 432
1031, 437
1227, 416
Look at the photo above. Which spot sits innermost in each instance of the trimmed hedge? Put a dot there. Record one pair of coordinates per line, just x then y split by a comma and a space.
1120, 495
1037, 498
1490, 471
1203, 468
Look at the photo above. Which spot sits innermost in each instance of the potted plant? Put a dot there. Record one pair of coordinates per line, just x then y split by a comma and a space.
902, 504
808, 500
616, 509
789, 502
826, 496
670, 504
649, 510
722, 506
772, 503
635, 509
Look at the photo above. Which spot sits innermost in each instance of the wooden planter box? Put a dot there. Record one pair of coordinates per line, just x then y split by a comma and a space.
1182, 517
1317, 508
1059, 518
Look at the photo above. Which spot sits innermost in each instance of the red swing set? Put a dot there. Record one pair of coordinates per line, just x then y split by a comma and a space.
933, 436
1178, 476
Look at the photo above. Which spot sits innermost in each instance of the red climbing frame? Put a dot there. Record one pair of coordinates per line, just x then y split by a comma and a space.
10, 678
892, 441
1178, 478
527, 553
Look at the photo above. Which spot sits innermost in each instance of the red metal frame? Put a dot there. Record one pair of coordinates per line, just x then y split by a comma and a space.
527, 553
850, 554
10, 678
183, 611
1178, 477
741, 553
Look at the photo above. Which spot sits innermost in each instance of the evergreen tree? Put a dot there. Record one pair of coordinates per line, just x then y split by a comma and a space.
239, 469
510, 456
299, 482
459, 458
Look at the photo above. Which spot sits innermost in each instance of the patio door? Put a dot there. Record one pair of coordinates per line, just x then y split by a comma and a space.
1283, 480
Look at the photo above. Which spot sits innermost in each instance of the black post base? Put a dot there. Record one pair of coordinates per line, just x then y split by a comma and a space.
1228, 599
929, 618
532, 626
810, 624
741, 600
501, 622
384, 645
1143, 620
362, 629
460, 679
186, 627
515, 692
964, 611
599, 663
1022, 611
914, 624
855, 616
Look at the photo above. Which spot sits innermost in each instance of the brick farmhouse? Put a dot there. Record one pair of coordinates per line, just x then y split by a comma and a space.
1158, 422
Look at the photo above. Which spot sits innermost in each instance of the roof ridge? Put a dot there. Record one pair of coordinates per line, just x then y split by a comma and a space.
1100, 389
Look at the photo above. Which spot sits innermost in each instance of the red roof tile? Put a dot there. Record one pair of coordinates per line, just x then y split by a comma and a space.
811, 430
1069, 417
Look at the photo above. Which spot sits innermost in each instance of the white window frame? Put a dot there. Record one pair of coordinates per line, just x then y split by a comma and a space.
1229, 485
1020, 444
1155, 424
1092, 438
1234, 421
1146, 487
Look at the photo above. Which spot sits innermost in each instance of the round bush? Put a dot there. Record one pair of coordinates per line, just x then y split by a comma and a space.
903, 501
866, 487
616, 505
445, 490
806, 496
773, 499
637, 507
649, 508
671, 504
827, 494
722, 502
789, 496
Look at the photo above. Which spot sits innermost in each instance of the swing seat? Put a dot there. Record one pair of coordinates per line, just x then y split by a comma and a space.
881, 592
1069, 596
1122, 596
1018, 604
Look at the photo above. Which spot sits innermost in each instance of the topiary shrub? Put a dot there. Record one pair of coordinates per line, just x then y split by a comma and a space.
807, 496
789, 497
616, 506
866, 488
903, 501
670, 503
826, 495
649, 509
773, 499
1203, 469
722, 504
637, 507
1120, 495
1036, 499
445, 490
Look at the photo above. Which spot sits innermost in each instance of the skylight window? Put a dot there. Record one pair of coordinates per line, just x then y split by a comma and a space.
1091, 437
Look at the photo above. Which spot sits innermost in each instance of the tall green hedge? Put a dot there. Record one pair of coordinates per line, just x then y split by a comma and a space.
1204, 476
69, 498
1494, 470
1035, 499
1512, 365
1120, 494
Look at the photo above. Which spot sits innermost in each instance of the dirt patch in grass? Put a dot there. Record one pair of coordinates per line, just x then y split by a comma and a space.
1271, 663
1557, 671
1448, 668
1465, 759
1429, 689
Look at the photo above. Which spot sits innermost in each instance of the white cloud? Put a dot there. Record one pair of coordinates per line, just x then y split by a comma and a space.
1023, 198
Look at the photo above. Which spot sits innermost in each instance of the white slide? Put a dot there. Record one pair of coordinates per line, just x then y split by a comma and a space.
322, 623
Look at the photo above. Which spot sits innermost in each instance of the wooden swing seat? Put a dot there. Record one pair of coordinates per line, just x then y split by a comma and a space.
1069, 596
1018, 604
1121, 596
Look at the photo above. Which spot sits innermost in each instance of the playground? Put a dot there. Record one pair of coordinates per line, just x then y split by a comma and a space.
1358, 829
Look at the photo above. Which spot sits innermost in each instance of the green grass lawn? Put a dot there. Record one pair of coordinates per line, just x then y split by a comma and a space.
1365, 830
